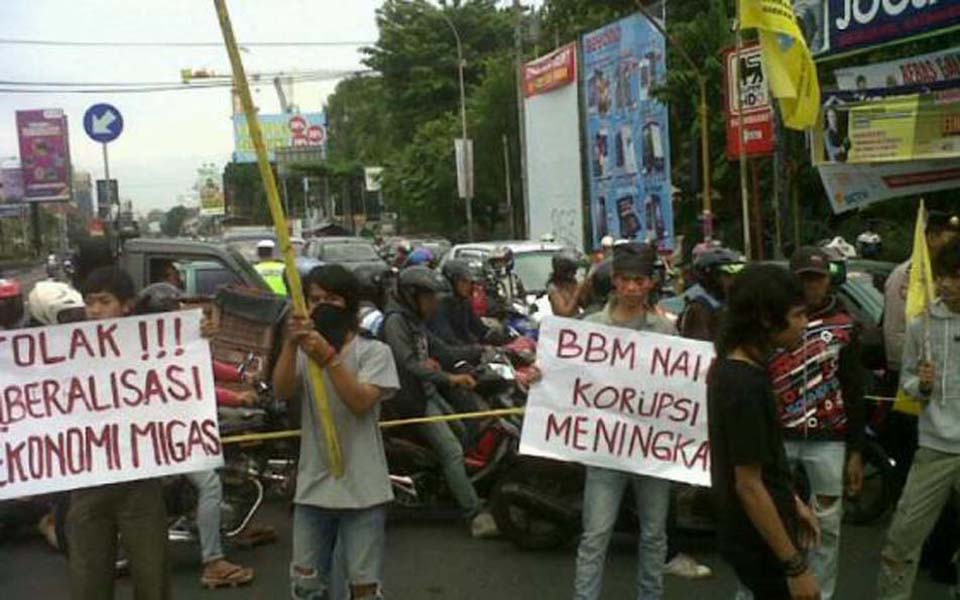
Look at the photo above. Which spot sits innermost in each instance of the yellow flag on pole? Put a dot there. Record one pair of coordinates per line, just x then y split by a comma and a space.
787, 60
920, 293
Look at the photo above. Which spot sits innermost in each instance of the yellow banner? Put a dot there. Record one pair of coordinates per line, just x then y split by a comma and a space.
789, 65
920, 294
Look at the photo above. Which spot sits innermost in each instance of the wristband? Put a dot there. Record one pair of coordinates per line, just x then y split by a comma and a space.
796, 566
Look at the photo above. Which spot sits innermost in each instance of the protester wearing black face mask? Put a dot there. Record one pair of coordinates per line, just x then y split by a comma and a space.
349, 512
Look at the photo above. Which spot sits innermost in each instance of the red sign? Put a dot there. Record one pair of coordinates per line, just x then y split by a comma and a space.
96, 228
550, 72
746, 87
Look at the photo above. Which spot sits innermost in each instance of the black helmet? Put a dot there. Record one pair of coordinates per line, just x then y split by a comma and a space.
417, 280
565, 264
371, 279
708, 265
158, 298
457, 269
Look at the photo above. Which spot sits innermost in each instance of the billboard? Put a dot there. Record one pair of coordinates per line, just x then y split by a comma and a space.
850, 187
627, 133
890, 128
835, 27
308, 129
935, 67
44, 155
11, 184
552, 122
747, 91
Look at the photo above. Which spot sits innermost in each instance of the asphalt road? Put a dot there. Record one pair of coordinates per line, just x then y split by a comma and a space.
430, 558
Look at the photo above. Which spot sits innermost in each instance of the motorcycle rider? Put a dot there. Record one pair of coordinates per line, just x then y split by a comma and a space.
819, 388
12, 312
421, 359
372, 281
506, 282
455, 322
338, 518
714, 270
633, 269
401, 253
217, 570
421, 257
563, 290
270, 268
55, 303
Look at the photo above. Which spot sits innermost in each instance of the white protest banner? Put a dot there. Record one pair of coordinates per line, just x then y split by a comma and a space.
620, 399
107, 401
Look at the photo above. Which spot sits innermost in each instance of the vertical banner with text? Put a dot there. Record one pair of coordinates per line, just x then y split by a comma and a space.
621, 399
103, 402
44, 154
747, 92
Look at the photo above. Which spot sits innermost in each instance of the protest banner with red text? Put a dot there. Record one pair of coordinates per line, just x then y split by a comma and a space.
620, 399
102, 402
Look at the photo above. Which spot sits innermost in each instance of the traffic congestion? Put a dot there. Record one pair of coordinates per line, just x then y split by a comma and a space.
530, 299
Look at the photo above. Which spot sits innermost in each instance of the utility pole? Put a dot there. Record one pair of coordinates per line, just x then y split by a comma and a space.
506, 172
521, 117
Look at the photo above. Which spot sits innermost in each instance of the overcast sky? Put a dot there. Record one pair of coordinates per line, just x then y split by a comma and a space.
167, 135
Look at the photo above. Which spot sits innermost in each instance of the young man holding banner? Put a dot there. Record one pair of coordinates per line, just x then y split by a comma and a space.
633, 266
133, 509
765, 529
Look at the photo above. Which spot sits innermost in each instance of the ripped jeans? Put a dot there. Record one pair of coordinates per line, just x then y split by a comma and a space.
933, 476
358, 536
824, 464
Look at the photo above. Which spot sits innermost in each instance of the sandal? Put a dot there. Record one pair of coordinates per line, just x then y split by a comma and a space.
230, 575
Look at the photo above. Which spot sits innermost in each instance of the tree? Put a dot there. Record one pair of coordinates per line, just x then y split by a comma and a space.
172, 225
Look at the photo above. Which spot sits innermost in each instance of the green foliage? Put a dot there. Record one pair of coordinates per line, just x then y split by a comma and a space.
172, 225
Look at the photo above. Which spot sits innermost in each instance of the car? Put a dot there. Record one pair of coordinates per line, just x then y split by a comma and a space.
533, 261
351, 252
205, 266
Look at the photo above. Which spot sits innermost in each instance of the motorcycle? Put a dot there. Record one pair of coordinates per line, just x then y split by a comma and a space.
415, 471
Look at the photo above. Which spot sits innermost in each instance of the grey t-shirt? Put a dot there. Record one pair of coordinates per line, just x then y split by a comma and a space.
365, 481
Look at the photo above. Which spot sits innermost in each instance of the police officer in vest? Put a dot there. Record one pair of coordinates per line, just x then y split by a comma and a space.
269, 268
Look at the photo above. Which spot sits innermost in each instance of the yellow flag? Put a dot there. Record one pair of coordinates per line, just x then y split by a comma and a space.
920, 294
787, 60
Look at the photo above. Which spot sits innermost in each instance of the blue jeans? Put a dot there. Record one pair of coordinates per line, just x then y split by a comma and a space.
209, 495
446, 445
359, 538
601, 505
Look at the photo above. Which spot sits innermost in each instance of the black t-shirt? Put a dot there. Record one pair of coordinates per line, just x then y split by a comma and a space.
744, 430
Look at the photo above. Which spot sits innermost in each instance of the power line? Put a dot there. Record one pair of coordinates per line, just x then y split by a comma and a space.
158, 44
63, 87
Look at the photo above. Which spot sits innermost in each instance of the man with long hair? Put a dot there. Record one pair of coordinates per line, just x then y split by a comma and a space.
765, 529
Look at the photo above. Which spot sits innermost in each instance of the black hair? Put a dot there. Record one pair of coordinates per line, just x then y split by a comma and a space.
948, 260
761, 297
91, 254
338, 280
110, 280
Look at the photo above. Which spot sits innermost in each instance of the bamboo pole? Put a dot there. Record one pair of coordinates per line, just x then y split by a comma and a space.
294, 286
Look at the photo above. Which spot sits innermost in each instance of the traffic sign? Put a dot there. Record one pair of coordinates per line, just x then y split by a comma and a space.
103, 123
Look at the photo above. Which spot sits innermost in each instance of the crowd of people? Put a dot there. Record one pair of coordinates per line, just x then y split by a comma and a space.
787, 390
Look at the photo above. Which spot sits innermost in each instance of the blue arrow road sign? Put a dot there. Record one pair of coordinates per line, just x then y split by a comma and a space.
103, 123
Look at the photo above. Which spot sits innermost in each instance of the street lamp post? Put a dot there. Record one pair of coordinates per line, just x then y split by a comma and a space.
467, 153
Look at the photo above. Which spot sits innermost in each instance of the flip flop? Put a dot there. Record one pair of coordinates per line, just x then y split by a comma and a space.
233, 577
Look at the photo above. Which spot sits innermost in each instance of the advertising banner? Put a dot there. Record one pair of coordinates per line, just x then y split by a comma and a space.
850, 187
44, 155
935, 67
891, 128
308, 129
840, 26
627, 133
11, 184
103, 402
554, 169
747, 90
557, 69
12, 211
620, 399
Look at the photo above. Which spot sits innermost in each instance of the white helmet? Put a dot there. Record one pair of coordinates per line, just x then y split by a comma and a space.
607, 241
54, 302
